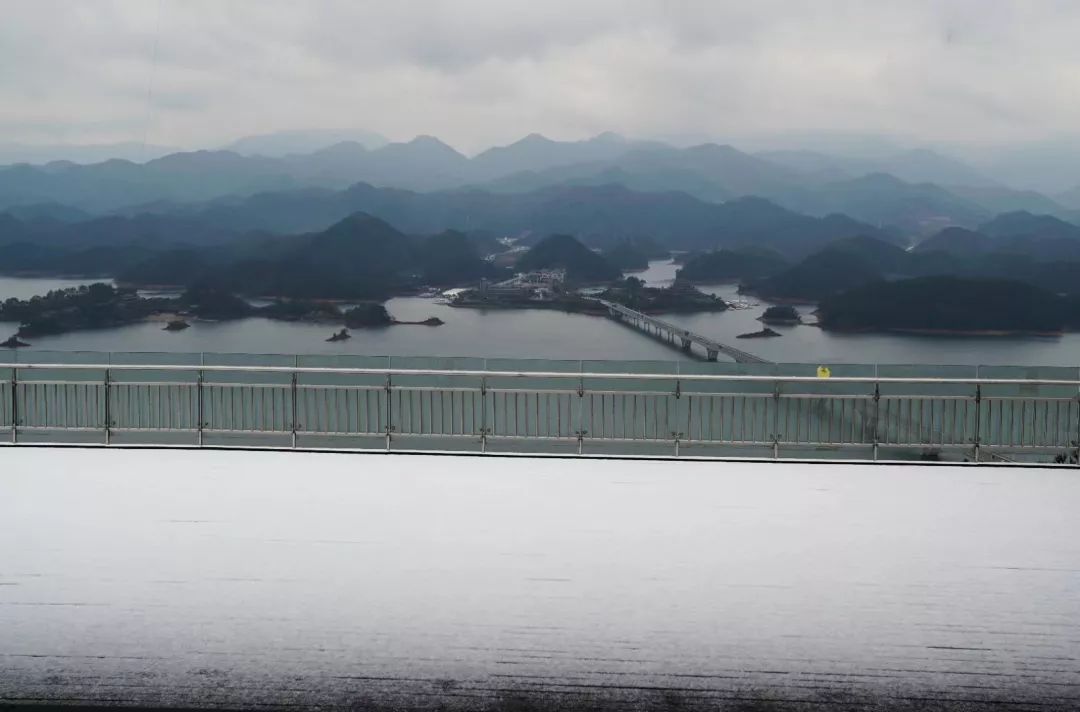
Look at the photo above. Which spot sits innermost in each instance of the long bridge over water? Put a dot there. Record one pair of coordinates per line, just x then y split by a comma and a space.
677, 335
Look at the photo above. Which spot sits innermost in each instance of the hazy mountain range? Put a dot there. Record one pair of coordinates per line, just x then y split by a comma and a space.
602, 190
12, 153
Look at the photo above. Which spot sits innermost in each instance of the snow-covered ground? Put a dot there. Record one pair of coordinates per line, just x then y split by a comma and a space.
228, 578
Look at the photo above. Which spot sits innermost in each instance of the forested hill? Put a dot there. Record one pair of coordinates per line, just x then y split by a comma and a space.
949, 304
360, 257
850, 263
566, 253
598, 215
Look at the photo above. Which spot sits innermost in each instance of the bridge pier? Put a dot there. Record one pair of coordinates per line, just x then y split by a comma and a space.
685, 343
711, 354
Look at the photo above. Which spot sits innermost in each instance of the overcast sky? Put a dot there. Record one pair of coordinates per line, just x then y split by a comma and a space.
198, 73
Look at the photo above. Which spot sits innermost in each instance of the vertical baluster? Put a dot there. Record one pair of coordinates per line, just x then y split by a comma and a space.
84, 408
690, 420
14, 405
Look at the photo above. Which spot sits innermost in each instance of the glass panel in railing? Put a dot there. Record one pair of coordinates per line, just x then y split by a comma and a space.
925, 380
733, 371
420, 364
526, 367
54, 362
826, 379
164, 358
246, 359
655, 376
338, 370
147, 359
1029, 377
36, 356
232, 368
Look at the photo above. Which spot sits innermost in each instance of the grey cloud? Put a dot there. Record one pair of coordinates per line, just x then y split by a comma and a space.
476, 72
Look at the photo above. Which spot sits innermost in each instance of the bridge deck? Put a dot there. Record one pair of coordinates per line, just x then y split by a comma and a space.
675, 331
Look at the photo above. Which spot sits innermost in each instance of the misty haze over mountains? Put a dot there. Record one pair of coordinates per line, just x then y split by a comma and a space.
912, 193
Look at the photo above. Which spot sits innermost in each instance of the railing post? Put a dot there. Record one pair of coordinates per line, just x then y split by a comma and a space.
200, 423
294, 408
483, 412
677, 433
389, 410
776, 421
14, 405
108, 408
1076, 444
877, 416
978, 419
295, 404
581, 414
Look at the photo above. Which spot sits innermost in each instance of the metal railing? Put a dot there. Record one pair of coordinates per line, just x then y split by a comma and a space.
711, 410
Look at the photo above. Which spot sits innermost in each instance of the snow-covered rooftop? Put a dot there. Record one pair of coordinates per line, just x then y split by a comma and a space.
246, 578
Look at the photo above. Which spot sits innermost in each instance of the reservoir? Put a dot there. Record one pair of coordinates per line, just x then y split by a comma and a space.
548, 334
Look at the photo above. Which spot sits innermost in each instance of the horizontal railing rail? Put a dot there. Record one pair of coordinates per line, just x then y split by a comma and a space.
534, 410
544, 374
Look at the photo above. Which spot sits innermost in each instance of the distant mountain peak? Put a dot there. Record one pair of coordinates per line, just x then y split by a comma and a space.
878, 178
284, 143
428, 140
425, 145
350, 151
608, 137
719, 148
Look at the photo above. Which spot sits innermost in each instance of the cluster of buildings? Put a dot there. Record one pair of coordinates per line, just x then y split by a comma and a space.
541, 285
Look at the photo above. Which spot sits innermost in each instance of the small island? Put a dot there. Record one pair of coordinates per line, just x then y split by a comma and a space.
366, 315
763, 334
13, 343
99, 306
680, 297
783, 315
342, 335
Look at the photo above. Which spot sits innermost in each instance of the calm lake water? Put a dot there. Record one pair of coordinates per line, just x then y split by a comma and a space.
551, 335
